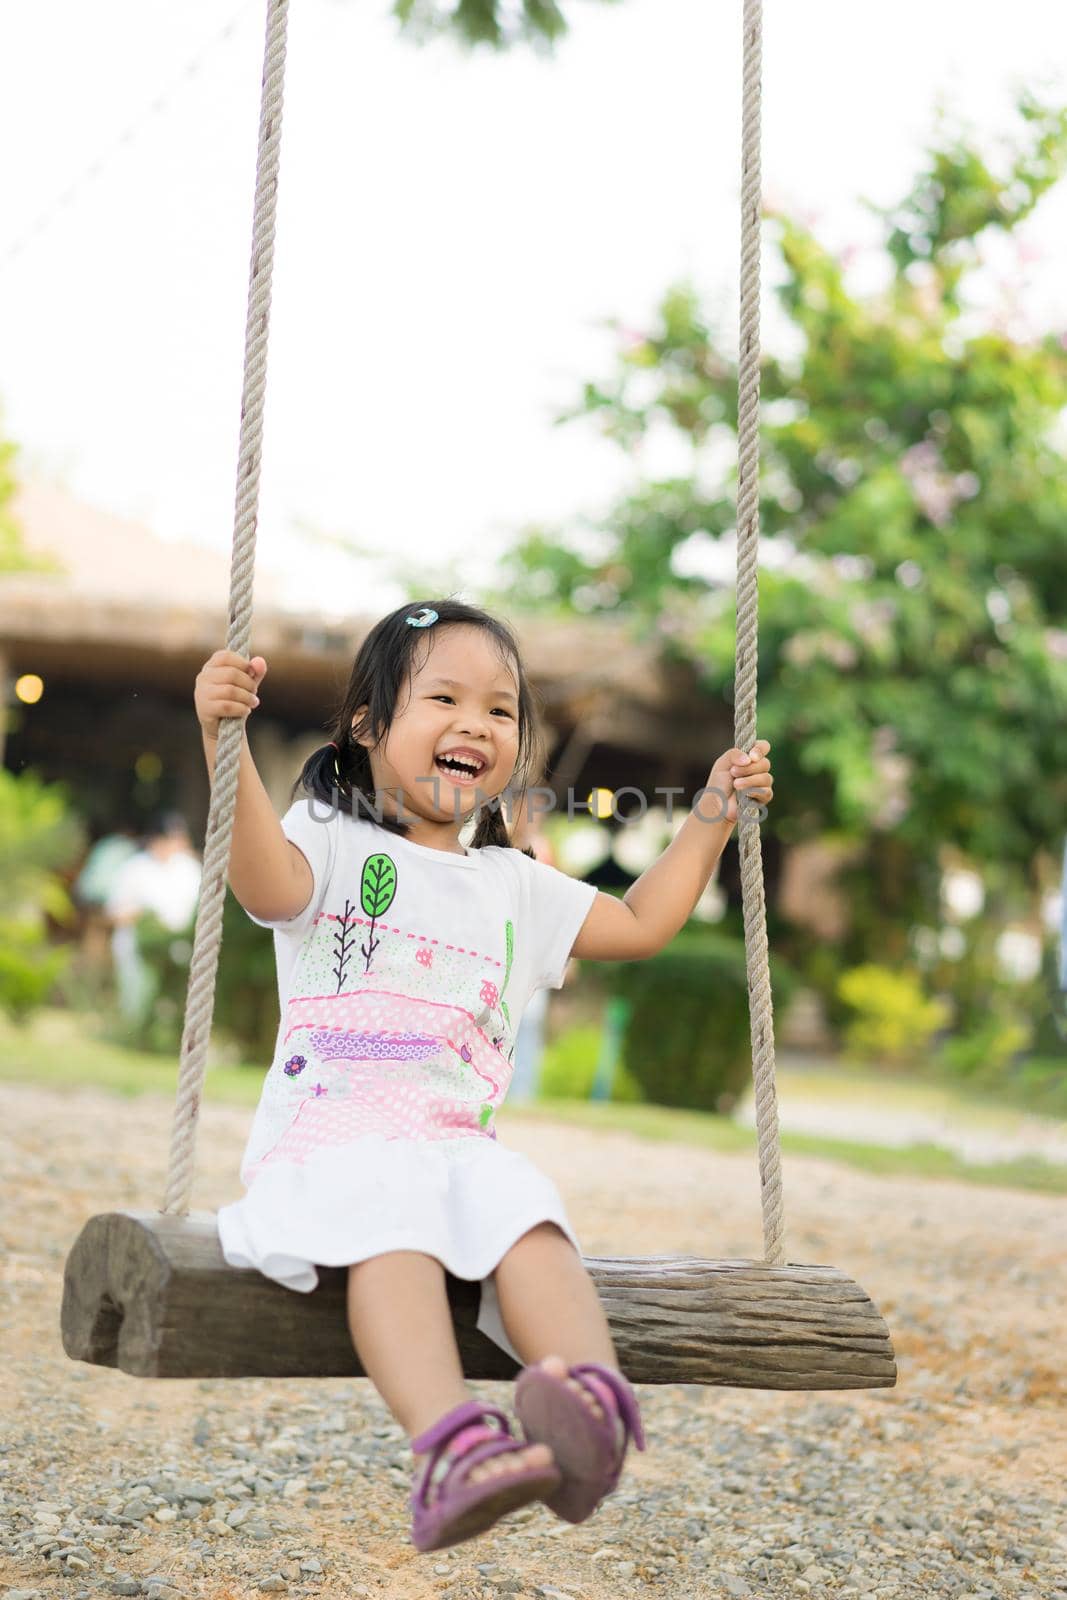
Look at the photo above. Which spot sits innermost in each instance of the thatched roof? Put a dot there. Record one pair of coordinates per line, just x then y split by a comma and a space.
127, 606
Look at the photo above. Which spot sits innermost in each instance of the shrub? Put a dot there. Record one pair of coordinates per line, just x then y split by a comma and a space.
983, 1055
688, 1041
39, 836
893, 1019
568, 1068
28, 968
246, 988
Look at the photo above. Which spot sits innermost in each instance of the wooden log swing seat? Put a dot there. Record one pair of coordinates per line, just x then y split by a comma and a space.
150, 1293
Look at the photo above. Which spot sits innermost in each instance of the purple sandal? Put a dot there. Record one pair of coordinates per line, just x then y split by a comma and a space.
589, 1450
460, 1509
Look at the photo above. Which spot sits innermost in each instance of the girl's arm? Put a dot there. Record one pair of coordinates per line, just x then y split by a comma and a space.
268, 874
655, 907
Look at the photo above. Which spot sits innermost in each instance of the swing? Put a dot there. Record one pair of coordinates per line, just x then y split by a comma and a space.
150, 1292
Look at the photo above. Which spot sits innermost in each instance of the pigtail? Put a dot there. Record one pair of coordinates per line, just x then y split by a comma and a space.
320, 780
492, 829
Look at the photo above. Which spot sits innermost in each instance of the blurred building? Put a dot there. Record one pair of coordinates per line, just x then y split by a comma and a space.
118, 631
110, 639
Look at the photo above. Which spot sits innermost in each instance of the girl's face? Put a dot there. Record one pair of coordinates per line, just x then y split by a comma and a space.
463, 698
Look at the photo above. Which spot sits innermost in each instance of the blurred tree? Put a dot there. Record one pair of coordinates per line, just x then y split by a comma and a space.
497, 23
13, 557
913, 588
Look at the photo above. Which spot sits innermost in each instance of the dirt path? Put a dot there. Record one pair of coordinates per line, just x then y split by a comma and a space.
926, 1489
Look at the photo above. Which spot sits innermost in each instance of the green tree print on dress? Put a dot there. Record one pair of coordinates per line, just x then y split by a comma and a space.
376, 890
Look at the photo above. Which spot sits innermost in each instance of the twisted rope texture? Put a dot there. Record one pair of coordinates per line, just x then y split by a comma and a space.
761, 1016
200, 998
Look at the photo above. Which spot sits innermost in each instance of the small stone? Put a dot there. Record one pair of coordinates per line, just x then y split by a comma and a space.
311, 1565
166, 1514
291, 1571
294, 1487
136, 1509
187, 1490
217, 1525
124, 1586
23, 1594
626, 1569
275, 1584
798, 1555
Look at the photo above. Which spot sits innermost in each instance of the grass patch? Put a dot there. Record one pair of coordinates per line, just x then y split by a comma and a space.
719, 1133
60, 1050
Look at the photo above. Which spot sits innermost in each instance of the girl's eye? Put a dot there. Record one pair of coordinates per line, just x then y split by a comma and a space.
448, 697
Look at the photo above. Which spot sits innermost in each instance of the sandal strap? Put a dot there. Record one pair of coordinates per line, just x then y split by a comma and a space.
448, 1426
468, 1417
624, 1396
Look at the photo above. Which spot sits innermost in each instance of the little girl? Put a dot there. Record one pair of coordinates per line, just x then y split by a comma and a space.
404, 963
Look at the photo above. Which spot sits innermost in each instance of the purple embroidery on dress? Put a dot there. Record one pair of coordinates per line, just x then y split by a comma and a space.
466, 1053
332, 1044
318, 1089
294, 1066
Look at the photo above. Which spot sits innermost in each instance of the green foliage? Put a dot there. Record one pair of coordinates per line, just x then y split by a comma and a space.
568, 1068
893, 1020
246, 989
493, 23
29, 969
14, 557
39, 836
687, 1041
987, 1052
913, 654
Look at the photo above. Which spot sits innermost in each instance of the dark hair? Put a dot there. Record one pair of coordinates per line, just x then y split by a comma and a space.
382, 668
164, 824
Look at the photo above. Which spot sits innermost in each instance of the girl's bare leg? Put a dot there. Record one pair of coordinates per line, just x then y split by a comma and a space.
550, 1307
401, 1327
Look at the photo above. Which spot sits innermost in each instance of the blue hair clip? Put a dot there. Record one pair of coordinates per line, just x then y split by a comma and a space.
423, 618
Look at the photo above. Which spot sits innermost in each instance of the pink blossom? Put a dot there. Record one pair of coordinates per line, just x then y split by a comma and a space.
489, 993
424, 956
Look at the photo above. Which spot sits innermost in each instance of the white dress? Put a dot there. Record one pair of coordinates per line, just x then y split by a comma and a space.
401, 987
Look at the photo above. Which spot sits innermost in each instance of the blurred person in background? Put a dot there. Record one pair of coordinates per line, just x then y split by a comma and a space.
162, 878
92, 890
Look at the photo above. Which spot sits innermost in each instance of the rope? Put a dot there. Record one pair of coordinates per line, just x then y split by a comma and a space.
208, 936
761, 1016
200, 997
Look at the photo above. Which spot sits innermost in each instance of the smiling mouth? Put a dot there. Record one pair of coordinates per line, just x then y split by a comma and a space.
461, 775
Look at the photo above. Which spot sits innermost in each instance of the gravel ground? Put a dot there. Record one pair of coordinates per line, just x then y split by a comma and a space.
949, 1485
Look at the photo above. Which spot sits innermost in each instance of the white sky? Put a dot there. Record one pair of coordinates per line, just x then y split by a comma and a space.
451, 231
